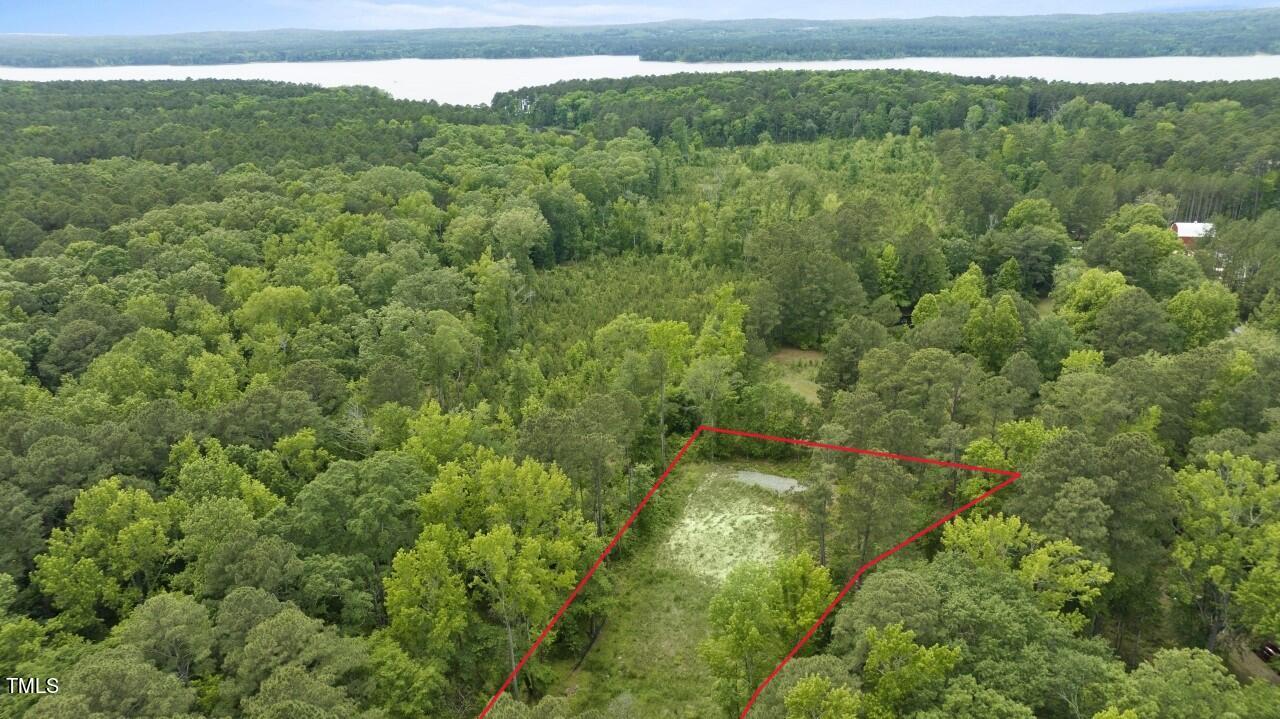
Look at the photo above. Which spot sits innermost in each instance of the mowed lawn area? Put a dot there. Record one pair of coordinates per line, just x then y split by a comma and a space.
646, 658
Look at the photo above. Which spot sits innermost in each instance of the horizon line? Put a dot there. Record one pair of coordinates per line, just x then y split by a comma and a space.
588, 26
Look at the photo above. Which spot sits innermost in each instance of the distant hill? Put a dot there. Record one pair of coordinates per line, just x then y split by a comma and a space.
1239, 32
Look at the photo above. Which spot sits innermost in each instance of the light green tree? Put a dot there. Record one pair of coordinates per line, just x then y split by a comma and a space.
498, 295
427, 602
111, 553
711, 383
1226, 512
671, 344
1063, 579
1204, 314
1009, 276
286, 308
211, 381
201, 471
722, 332
519, 231
814, 698
993, 332
448, 351
1080, 301
900, 676
889, 272
758, 614
511, 535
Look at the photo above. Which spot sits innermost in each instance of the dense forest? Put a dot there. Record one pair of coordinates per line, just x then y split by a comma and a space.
1235, 32
314, 403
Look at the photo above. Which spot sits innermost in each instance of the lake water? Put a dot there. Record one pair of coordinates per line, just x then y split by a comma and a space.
474, 81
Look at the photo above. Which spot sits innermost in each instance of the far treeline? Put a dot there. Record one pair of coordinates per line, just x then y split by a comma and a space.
743, 108
1242, 32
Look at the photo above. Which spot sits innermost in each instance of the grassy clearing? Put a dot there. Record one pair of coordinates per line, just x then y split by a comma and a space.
799, 370
724, 524
647, 654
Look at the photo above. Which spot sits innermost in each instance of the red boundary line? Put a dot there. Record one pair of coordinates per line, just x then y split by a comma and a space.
1011, 478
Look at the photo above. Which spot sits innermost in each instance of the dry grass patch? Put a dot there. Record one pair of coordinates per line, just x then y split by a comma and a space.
799, 370
725, 523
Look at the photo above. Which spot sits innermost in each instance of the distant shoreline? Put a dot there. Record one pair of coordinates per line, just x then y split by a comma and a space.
1128, 35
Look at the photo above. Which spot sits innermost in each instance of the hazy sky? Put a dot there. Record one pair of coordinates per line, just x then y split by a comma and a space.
88, 17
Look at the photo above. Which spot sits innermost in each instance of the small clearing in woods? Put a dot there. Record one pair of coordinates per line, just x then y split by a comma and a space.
647, 654
799, 370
